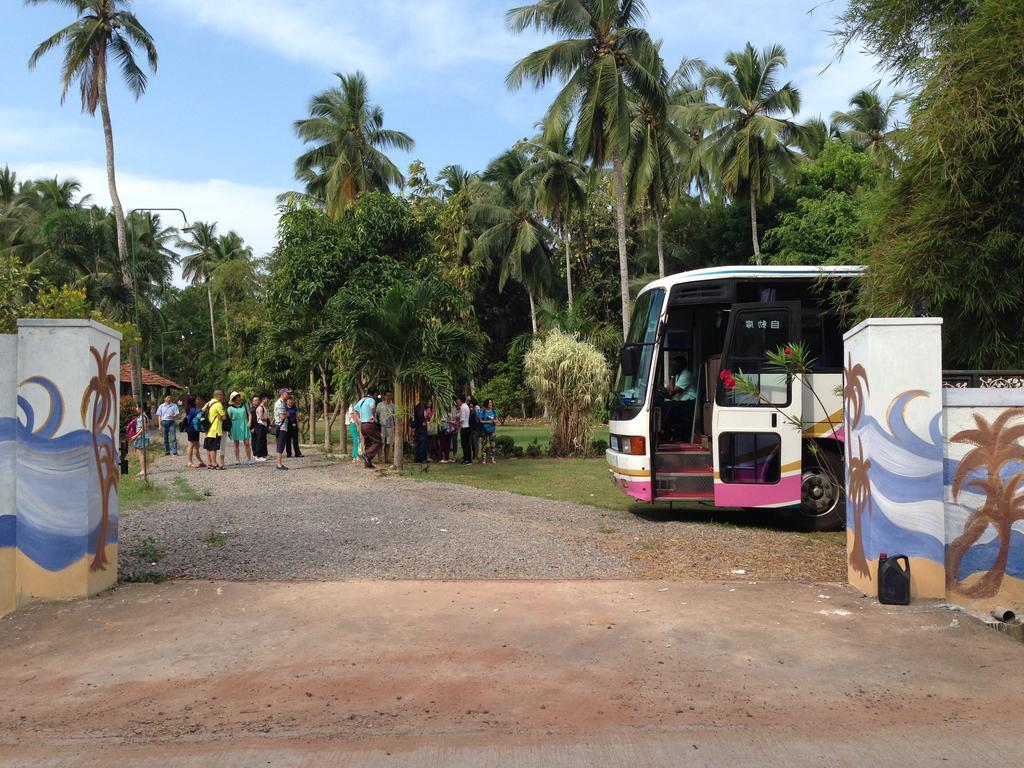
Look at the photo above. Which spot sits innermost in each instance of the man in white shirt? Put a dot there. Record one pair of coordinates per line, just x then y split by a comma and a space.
167, 412
467, 448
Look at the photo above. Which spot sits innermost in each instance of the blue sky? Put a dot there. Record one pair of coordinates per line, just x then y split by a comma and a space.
213, 134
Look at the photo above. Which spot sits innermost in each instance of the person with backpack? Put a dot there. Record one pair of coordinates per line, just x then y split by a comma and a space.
138, 435
241, 434
193, 409
366, 418
214, 417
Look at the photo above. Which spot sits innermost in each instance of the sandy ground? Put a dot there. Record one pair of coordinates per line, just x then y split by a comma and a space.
525, 673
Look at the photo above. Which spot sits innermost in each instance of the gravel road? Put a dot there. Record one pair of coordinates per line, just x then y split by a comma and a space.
326, 519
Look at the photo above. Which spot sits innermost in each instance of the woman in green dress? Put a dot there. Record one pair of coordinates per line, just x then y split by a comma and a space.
238, 411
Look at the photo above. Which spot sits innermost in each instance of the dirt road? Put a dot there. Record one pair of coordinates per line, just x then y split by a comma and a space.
498, 673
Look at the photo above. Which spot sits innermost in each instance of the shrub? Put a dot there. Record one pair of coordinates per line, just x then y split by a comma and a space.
505, 445
571, 377
534, 450
598, 447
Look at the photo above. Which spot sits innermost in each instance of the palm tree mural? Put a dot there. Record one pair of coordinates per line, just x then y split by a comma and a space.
858, 489
99, 414
996, 446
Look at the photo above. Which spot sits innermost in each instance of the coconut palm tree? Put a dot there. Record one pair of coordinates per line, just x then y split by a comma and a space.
560, 184
751, 133
233, 271
600, 60
997, 445
870, 126
511, 232
103, 27
349, 143
200, 262
399, 338
454, 179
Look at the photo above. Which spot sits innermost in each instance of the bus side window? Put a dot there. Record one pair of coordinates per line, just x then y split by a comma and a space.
757, 332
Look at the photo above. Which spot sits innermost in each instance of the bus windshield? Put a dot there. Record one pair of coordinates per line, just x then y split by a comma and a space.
631, 387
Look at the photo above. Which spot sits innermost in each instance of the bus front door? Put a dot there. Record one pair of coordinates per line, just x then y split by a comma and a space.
756, 441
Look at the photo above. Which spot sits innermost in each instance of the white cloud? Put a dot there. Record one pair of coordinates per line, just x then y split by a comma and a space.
386, 39
23, 130
250, 210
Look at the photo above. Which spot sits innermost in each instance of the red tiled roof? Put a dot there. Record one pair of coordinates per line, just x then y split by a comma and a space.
149, 379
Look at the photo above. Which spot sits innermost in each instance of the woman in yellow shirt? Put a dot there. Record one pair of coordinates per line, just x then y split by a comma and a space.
216, 414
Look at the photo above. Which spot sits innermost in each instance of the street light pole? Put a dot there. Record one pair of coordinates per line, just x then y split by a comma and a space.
136, 354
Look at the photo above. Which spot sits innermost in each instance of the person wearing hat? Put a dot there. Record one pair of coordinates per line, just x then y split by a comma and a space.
281, 420
216, 415
241, 433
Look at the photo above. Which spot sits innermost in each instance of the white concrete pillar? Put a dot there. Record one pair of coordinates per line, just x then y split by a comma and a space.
894, 450
67, 458
8, 420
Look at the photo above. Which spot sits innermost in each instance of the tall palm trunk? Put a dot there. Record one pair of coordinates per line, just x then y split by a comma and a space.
227, 324
127, 276
398, 434
213, 328
533, 310
661, 243
312, 410
567, 236
620, 227
753, 223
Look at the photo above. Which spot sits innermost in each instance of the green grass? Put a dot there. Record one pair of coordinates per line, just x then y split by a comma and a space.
134, 493
584, 481
216, 538
523, 434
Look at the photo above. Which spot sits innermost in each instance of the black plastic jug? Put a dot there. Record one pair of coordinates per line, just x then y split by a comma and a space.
893, 579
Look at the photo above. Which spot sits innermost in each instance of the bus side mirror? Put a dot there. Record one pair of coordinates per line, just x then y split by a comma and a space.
629, 358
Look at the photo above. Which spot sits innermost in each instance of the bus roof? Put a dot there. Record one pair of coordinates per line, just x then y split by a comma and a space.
751, 272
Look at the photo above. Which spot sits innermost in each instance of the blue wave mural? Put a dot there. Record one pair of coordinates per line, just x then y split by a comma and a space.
981, 557
56, 524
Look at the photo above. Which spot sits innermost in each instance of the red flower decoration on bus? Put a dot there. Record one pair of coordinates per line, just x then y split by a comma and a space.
728, 381
789, 351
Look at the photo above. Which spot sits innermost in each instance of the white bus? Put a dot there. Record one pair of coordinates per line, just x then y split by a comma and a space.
679, 434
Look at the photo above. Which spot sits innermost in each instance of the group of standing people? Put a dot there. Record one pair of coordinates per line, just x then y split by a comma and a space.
473, 425
246, 422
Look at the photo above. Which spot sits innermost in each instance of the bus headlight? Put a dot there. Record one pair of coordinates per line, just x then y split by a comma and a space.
631, 445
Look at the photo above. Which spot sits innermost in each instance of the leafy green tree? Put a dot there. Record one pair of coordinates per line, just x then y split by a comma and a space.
511, 233
870, 126
829, 223
950, 228
602, 60
903, 35
401, 338
751, 133
349, 144
103, 27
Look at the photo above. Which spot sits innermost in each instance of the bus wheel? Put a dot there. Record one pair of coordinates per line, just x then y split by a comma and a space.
822, 501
